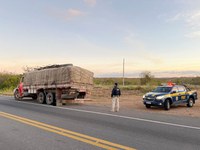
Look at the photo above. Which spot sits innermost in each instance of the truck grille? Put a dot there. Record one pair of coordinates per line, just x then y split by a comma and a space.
150, 98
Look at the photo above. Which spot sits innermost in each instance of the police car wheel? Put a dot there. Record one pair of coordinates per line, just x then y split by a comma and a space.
167, 105
148, 106
190, 102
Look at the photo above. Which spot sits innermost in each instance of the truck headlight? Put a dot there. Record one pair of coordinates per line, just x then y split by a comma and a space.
160, 97
143, 96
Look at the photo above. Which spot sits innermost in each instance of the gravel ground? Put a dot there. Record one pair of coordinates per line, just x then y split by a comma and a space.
130, 100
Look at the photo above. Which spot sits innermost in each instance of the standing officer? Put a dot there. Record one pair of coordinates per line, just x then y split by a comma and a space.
115, 97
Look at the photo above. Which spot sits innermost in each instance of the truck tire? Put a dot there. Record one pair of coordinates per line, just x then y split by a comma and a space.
190, 102
17, 95
41, 98
50, 98
167, 105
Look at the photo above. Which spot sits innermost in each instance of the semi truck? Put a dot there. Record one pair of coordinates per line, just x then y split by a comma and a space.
55, 82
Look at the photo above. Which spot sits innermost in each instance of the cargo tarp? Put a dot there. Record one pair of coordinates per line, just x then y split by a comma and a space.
57, 76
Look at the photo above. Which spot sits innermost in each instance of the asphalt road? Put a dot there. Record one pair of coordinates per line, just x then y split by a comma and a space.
30, 126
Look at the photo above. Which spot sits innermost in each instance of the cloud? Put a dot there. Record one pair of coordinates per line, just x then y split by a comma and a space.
68, 14
191, 20
187, 3
195, 34
176, 17
73, 13
91, 3
140, 49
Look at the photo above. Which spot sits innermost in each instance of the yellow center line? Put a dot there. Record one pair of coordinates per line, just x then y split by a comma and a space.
67, 133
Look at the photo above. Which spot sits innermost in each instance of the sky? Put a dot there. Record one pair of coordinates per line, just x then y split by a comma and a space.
160, 36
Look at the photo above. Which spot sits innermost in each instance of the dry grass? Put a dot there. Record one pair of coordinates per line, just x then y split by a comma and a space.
132, 100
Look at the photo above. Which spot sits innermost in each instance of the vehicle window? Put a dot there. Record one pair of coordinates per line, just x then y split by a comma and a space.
181, 89
163, 89
175, 89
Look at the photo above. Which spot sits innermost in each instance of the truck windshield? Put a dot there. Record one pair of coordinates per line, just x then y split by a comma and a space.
163, 89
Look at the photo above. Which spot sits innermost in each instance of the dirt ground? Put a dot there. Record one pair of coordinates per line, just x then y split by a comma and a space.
133, 100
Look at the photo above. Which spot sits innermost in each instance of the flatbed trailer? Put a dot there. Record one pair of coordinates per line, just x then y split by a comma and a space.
51, 84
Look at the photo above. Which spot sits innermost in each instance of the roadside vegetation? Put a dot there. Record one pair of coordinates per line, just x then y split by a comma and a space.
8, 82
146, 82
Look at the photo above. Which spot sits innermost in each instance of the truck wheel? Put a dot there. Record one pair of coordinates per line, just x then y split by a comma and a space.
148, 106
17, 95
167, 105
190, 102
50, 98
41, 98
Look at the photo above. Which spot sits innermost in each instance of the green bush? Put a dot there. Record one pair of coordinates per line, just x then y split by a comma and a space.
9, 81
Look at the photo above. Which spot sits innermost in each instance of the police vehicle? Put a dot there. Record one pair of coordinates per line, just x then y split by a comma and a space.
168, 95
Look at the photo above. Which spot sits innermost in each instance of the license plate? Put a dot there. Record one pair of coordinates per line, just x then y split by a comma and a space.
148, 102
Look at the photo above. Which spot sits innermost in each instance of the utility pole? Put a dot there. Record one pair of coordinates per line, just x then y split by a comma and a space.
123, 69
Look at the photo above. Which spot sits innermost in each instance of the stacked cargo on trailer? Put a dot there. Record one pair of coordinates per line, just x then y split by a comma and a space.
51, 83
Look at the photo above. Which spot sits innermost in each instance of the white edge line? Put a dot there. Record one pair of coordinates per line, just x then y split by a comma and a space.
106, 114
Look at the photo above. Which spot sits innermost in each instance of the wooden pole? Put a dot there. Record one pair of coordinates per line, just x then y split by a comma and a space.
123, 70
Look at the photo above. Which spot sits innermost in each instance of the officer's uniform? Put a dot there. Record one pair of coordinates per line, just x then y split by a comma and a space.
115, 98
